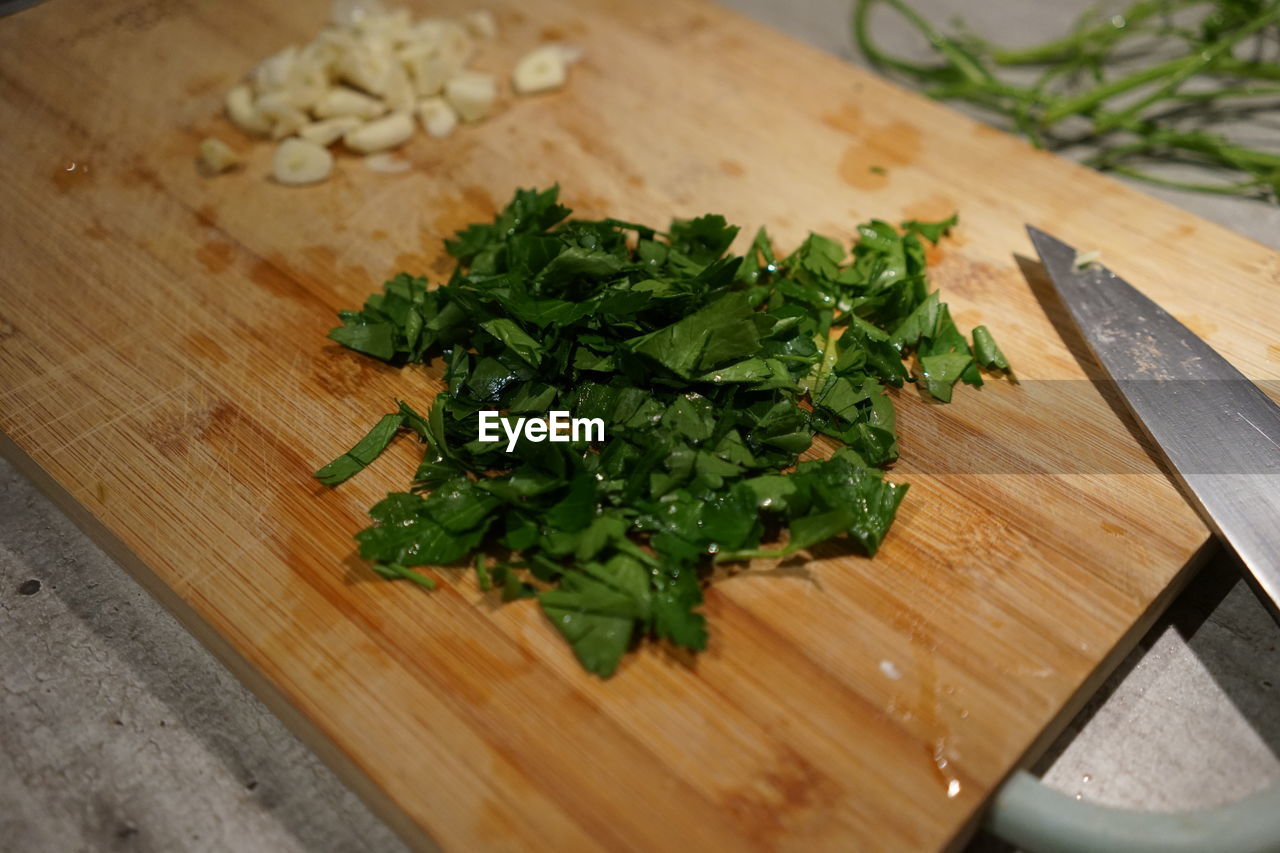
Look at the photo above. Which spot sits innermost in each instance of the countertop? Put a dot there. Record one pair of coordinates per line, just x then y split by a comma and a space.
118, 731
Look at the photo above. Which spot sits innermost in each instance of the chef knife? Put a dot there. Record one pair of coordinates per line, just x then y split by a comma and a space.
1218, 432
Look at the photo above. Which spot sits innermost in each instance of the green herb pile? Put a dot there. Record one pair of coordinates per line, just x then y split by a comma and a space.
1147, 85
712, 373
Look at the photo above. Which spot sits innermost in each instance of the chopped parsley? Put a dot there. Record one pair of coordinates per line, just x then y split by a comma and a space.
712, 373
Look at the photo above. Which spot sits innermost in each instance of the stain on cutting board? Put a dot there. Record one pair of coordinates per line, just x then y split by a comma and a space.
866, 163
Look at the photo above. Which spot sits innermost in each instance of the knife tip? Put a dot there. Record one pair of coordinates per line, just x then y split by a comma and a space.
1045, 243
1037, 236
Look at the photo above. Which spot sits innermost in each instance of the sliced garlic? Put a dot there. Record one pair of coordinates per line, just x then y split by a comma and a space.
285, 118
370, 78
298, 162
273, 104
480, 23
348, 13
244, 114
437, 117
274, 71
540, 70
365, 66
398, 93
399, 23
427, 69
454, 46
471, 93
387, 25
331, 44
427, 32
386, 163
379, 134
307, 84
217, 157
289, 123
344, 101
328, 131
1088, 259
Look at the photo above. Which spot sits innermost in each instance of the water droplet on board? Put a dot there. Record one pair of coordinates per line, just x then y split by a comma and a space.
1086, 778
943, 766
890, 670
70, 174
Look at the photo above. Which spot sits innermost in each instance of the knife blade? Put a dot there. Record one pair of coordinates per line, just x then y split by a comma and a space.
1218, 431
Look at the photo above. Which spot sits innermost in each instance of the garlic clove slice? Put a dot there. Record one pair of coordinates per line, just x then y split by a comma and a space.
328, 131
471, 93
244, 113
541, 70
380, 134
217, 157
437, 117
298, 162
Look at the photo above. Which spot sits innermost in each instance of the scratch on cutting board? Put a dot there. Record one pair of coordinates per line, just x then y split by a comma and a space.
150, 404
93, 354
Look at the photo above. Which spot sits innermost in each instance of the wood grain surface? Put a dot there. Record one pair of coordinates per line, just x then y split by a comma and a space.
164, 373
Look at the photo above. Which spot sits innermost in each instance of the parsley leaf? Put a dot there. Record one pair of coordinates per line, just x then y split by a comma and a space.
987, 351
366, 450
723, 331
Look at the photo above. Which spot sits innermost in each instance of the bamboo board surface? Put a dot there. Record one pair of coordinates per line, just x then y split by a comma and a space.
164, 373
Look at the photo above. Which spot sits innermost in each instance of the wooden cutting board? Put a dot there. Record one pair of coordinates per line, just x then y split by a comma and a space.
164, 374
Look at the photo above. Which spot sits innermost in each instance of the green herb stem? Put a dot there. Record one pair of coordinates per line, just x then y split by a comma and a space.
1090, 100
1192, 65
1232, 189
1094, 39
1142, 124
